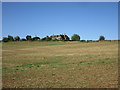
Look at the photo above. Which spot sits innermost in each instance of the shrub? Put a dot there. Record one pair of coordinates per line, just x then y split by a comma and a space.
28, 37
10, 38
17, 38
101, 38
67, 39
23, 39
82, 40
36, 38
89, 40
47, 38
5, 39
75, 37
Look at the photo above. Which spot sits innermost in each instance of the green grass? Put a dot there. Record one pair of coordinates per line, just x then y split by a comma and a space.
60, 64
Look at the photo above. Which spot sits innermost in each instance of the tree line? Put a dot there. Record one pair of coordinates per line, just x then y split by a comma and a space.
74, 37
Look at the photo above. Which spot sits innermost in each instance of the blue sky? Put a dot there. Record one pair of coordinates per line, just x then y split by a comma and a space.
88, 19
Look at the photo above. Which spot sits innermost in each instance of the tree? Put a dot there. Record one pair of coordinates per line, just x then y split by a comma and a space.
47, 38
17, 38
10, 38
43, 38
5, 39
36, 38
75, 37
23, 39
28, 37
101, 38
67, 39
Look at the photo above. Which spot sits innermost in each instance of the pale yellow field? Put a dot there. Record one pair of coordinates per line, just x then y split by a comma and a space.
60, 64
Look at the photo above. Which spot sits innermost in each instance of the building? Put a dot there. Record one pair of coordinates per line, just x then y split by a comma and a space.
60, 37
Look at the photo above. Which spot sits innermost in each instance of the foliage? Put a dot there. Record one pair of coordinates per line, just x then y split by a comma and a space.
60, 37
28, 37
17, 38
64, 37
36, 38
75, 37
5, 39
47, 38
67, 39
23, 39
43, 39
101, 38
82, 40
10, 38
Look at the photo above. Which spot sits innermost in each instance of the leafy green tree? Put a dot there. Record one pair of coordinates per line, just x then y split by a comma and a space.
75, 37
28, 37
10, 38
36, 38
67, 39
23, 39
47, 38
5, 39
17, 38
101, 38
43, 39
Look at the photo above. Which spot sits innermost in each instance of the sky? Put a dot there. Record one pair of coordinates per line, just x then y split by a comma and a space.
90, 20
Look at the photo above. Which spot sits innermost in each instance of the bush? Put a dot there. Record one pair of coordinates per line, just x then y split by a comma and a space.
28, 37
23, 39
36, 38
5, 39
17, 38
67, 39
47, 38
82, 40
10, 38
75, 37
101, 38
89, 40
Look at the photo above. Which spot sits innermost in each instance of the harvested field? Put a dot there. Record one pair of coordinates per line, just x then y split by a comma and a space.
60, 64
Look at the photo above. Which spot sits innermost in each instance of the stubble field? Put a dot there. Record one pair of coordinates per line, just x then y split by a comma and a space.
60, 64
